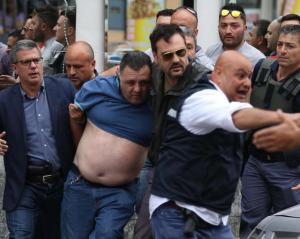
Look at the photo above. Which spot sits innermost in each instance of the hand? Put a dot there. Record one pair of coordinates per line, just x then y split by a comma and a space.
297, 187
76, 114
282, 137
3, 144
7, 79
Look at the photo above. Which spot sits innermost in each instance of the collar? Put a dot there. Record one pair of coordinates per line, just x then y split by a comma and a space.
24, 94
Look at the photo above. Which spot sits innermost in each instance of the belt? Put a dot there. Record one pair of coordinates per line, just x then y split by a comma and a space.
44, 179
42, 174
199, 223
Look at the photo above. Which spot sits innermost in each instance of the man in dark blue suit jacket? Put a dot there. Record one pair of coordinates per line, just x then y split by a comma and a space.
34, 115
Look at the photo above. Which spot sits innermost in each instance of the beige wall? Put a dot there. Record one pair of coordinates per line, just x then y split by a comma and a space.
118, 36
173, 3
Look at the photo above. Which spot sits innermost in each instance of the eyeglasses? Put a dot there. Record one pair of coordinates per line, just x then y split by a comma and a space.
169, 54
29, 61
233, 13
191, 10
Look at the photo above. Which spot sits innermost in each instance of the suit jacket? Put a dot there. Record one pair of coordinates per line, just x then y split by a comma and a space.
60, 92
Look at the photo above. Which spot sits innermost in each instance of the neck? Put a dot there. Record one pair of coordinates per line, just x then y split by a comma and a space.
233, 47
170, 83
284, 72
31, 90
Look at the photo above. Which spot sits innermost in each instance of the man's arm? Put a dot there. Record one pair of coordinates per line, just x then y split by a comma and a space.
282, 137
253, 118
77, 122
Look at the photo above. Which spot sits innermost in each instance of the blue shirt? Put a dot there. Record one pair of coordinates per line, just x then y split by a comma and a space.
41, 147
105, 107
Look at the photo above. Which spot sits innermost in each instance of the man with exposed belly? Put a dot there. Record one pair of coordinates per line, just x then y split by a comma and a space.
110, 160
100, 188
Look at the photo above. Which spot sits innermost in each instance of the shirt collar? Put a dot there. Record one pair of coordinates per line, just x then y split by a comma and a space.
24, 94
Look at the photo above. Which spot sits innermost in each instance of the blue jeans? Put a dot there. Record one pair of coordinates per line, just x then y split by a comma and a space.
266, 189
168, 223
37, 214
92, 209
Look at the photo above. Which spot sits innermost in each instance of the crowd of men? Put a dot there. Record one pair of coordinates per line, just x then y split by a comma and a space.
168, 133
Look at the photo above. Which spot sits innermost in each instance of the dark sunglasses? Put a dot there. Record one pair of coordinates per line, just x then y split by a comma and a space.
233, 13
169, 54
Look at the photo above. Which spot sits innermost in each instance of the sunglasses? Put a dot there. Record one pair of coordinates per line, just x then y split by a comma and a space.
233, 13
169, 54
191, 10
29, 61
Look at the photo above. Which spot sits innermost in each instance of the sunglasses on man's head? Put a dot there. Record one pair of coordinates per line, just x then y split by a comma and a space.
233, 13
169, 54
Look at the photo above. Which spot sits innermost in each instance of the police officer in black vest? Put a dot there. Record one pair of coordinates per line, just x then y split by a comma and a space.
268, 178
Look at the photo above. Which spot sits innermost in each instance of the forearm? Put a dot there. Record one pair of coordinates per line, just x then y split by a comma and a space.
77, 131
252, 118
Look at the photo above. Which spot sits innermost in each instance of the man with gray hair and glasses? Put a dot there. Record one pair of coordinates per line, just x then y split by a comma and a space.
36, 139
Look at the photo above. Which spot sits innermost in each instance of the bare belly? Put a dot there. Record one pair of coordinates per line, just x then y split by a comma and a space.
108, 159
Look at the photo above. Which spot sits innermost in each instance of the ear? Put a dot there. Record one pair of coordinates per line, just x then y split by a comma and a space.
14, 68
216, 75
70, 31
260, 40
93, 63
44, 26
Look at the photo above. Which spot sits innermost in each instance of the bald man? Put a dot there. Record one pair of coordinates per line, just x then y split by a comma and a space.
199, 164
80, 63
272, 35
187, 17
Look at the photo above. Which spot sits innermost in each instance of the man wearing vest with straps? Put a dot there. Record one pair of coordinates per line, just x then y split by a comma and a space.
269, 178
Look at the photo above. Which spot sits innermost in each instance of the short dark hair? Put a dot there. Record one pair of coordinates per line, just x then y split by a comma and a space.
164, 32
289, 17
48, 15
290, 29
167, 12
135, 60
22, 45
70, 13
234, 6
261, 27
16, 34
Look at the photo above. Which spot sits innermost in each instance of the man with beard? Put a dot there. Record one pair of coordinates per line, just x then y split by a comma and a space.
269, 178
232, 27
42, 23
257, 36
170, 77
272, 36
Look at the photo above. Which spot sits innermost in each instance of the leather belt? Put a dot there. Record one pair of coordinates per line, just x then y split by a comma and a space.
42, 174
44, 179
